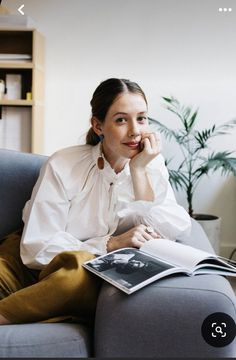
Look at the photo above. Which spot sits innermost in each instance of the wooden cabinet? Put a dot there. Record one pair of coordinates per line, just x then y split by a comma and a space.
22, 54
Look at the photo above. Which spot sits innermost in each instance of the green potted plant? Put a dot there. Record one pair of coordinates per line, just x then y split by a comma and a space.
197, 157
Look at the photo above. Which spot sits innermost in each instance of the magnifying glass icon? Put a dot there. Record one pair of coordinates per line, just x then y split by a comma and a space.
218, 329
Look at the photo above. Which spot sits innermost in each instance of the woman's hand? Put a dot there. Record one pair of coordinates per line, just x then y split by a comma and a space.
150, 148
134, 237
142, 185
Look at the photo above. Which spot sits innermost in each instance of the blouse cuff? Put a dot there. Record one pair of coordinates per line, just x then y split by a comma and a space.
97, 246
104, 244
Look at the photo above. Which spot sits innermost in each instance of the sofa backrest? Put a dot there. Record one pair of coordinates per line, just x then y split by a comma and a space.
18, 174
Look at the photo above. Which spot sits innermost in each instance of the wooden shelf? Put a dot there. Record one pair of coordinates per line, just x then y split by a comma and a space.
16, 65
19, 102
25, 41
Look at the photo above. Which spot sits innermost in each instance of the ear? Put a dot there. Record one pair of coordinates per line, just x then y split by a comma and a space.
96, 125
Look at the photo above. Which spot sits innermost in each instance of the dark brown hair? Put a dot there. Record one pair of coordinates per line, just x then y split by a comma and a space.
104, 96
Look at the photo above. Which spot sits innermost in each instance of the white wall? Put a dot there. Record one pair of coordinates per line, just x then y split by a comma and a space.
182, 47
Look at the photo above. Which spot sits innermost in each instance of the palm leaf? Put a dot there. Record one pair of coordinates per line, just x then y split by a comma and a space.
218, 161
192, 119
185, 113
174, 106
224, 128
180, 136
169, 100
203, 136
178, 179
169, 134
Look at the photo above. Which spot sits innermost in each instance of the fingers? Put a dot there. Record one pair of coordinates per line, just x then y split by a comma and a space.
152, 142
147, 235
158, 142
135, 237
144, 233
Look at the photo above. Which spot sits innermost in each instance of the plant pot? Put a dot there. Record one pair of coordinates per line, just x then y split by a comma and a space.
211, 224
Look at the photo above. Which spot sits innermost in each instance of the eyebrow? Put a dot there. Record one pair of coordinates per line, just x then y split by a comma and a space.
124, 113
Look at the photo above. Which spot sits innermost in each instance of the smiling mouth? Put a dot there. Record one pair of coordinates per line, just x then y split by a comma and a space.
132, 145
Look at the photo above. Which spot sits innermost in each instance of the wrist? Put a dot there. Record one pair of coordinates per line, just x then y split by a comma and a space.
138, 171
110, 244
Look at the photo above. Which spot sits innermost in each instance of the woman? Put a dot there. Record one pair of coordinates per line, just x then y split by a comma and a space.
91, 199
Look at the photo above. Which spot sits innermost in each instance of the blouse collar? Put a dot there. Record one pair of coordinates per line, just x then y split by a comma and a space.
108, 172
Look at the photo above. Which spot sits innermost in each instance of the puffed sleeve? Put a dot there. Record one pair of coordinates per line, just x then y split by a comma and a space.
164, 214
45, 216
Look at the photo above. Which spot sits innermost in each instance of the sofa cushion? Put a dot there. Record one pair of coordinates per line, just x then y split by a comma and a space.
45, 340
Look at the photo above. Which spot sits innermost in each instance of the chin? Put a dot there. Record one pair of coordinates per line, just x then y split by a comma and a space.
128, 154
133, 154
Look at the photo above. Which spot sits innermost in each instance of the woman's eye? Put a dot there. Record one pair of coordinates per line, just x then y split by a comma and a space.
142, 118
121, 120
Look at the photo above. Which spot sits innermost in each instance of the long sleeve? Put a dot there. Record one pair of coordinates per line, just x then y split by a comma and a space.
163, 214
46, 218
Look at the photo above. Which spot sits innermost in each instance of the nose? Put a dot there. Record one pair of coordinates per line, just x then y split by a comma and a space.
133, 130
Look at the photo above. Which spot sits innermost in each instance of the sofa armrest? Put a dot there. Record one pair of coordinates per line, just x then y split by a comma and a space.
164, 319
197, 238
19, 172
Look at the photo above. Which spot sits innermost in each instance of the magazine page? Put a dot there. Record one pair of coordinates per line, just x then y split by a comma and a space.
129, 269
228, 262
176, 253
217, 264
215, 270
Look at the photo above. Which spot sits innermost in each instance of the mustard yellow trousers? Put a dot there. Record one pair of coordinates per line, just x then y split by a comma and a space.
62, 290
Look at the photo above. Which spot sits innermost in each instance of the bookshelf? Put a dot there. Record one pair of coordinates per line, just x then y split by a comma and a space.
22, 57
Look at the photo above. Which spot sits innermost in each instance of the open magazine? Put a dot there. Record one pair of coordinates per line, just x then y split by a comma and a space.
130, 269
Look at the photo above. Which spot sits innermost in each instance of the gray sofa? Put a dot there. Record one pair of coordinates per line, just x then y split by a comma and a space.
162, 320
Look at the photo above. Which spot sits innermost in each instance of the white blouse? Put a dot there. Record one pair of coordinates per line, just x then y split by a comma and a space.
75, 206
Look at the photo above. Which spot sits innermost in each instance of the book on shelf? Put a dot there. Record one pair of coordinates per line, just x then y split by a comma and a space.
130, 269
15, 128
15, 57
13, 86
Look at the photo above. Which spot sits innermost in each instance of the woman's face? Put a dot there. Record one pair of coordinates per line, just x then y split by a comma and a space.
125, 123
